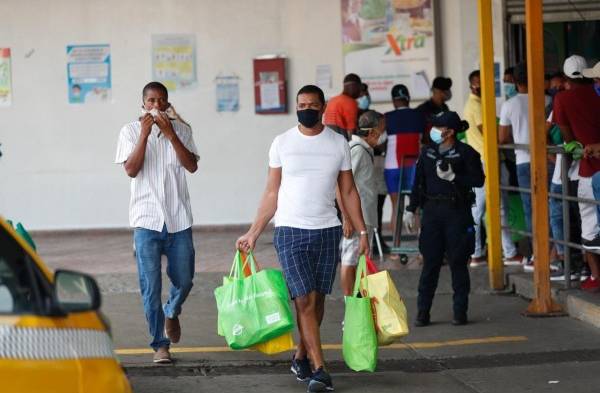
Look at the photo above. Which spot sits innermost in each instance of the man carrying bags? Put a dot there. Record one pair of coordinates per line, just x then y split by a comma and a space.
305, 164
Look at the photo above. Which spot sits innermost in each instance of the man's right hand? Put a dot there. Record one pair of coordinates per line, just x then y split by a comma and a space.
347, 228
147, 120
246, 243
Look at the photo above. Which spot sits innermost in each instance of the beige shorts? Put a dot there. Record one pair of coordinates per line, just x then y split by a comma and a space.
349, 247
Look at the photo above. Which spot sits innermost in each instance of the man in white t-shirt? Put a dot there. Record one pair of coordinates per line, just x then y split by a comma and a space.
514, 128
305, 164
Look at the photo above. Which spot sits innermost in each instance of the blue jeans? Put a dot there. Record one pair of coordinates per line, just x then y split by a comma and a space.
524, 179
556, 217
596, 190
179, 250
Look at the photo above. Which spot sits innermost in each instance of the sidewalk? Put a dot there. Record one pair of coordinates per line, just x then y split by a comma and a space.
579, 304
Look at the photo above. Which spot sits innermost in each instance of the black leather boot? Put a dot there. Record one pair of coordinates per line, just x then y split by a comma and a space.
460, 319
422, 319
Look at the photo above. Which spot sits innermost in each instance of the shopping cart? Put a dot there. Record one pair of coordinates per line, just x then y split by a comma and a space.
398, 238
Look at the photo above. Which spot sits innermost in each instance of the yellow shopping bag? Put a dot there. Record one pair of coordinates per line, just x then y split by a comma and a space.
391, 317
283, 343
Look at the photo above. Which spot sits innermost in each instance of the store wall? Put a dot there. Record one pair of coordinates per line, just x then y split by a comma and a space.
460, 44
57, 170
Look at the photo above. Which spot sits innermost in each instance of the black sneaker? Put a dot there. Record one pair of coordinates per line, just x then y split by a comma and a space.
556, 266
559, 275
460, 319
423, 319
585, 273
301, 368
591, 244
320, 382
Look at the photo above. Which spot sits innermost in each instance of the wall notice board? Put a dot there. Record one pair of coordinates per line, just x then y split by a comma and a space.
270, 87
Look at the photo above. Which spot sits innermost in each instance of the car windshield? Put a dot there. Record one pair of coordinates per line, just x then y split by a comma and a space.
16, 292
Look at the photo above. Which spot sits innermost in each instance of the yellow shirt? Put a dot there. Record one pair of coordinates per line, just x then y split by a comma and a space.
472, 114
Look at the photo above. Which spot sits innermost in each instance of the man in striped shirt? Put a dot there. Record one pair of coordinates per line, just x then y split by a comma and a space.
155, 152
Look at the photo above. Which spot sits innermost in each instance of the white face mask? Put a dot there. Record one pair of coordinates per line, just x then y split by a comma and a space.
154, 112
382, 138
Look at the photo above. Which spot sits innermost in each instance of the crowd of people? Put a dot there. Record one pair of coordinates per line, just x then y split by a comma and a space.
330, 174
572, 105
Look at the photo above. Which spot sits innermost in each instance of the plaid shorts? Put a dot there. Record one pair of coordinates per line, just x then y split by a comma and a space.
309, 258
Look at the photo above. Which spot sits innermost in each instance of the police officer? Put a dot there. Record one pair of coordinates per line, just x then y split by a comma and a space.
446, 172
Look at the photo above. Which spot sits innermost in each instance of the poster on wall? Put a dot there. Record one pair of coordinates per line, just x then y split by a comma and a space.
387, 42
270, 86
174, 60
88, 73
228, 93
5, 78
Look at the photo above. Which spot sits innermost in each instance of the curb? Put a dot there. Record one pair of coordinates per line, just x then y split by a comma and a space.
578, 304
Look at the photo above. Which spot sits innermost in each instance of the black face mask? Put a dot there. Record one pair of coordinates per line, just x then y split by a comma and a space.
308, 117
477, 91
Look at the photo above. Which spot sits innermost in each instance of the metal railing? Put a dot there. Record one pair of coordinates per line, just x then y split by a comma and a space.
565, 197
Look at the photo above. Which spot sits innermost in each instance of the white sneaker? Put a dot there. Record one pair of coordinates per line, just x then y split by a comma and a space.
528, 265
517, 260
478, 262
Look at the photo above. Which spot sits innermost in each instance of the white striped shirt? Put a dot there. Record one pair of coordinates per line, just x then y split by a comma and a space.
159, 194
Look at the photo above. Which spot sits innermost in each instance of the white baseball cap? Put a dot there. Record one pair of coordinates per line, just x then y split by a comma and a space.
573, 66
592, 72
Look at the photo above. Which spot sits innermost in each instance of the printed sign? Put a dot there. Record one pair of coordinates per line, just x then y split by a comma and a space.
88, 73
174, 60
228, 93
5, 78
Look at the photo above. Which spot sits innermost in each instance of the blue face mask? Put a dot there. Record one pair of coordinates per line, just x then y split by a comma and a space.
597, 88
510, 90
436, 135
363, 102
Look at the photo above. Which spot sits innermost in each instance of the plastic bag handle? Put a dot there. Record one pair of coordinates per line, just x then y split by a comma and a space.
236, 266
249, 260
371, 267
361, 270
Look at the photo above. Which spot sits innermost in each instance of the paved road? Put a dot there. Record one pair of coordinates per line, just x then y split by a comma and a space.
501, 351
563, 377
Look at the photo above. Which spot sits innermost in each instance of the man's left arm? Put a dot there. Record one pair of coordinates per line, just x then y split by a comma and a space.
351, 201
188, 159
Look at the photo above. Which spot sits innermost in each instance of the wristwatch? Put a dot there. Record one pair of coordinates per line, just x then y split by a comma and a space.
364, 233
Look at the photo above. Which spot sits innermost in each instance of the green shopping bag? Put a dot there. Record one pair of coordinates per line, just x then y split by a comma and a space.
359, 343
237, 262
252, 309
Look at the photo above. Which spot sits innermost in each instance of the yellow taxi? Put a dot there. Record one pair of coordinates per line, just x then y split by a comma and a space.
52, 335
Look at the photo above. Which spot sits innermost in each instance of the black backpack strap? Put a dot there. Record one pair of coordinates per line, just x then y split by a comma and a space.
365, 149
